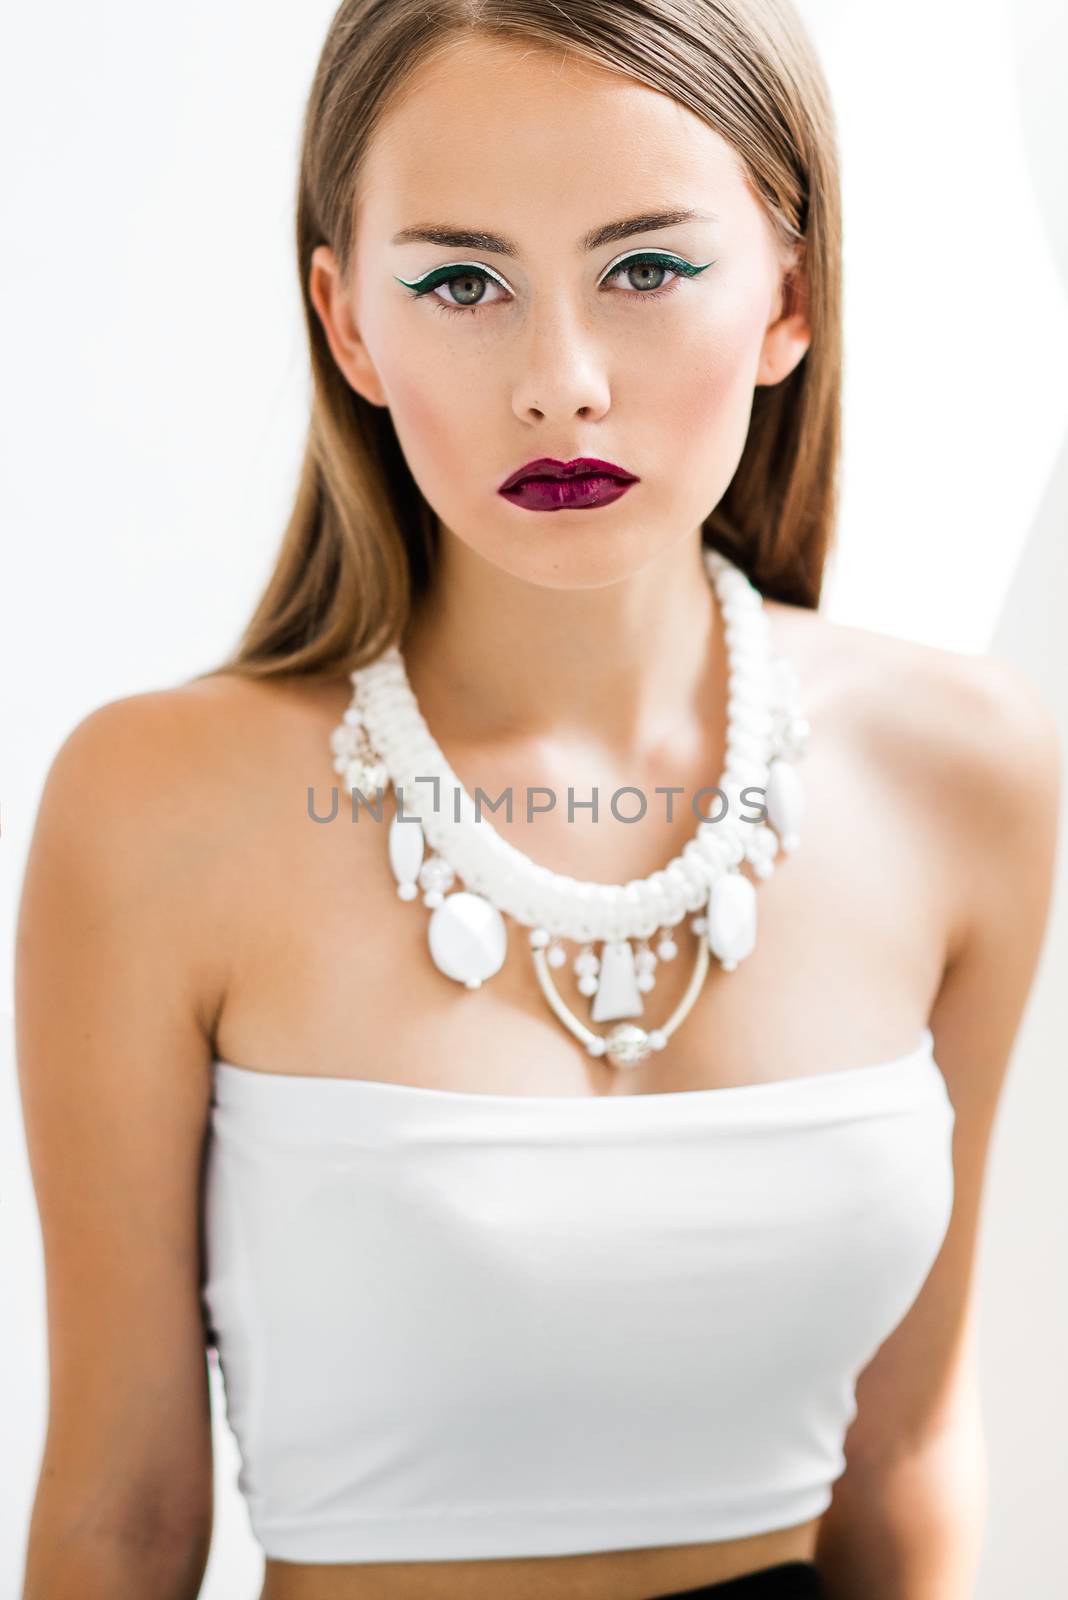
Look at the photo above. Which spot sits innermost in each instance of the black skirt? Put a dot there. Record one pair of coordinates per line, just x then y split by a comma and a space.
789, 1580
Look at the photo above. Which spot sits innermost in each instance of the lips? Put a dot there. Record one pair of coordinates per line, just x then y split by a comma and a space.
584, 492
545, 469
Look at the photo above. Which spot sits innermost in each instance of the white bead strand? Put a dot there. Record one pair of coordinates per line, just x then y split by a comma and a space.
383, 739
514, 883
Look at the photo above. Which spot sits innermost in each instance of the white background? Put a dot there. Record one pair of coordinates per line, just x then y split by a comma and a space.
153, 412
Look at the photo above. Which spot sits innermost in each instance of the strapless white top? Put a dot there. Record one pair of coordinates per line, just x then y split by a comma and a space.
456, 1325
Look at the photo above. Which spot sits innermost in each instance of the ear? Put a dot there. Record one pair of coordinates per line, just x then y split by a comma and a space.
331, 299
788, 335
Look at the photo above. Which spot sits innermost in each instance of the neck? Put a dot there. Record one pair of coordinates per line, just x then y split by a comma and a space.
491, 655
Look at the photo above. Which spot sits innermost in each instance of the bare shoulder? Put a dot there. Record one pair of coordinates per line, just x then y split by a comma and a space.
975, 722
202, 717
162, 798
177, 755
969, 742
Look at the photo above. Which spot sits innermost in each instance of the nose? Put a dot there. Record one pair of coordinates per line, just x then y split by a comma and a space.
562, 370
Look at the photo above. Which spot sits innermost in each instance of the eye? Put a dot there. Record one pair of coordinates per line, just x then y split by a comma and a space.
654, 262
470, 281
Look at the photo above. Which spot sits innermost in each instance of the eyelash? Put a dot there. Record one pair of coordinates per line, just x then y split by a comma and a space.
682, 270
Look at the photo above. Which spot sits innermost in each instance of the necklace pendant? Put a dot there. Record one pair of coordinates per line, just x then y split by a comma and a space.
645, 961
555, 954
785, 800
627, 1045
467, 937
406, 846
730, 920
436, 878
618, 994
586, 966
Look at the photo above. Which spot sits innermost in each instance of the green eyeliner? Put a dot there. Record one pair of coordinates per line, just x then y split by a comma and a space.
436, 275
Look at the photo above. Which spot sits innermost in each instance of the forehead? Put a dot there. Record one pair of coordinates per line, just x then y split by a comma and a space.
511, 126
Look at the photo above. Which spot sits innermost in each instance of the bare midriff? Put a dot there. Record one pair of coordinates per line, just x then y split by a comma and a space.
636, 1574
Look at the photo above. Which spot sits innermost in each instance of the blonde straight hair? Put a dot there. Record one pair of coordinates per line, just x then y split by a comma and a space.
359, 547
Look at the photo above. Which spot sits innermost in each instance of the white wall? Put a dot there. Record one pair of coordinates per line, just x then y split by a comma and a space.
153, 417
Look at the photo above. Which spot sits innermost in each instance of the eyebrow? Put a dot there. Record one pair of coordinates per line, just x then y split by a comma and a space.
469, 239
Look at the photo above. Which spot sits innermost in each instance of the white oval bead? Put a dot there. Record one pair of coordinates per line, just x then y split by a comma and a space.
785, 800
731, 917
467, 937
406, 847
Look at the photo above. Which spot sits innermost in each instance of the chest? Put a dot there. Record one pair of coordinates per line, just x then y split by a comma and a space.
329, 971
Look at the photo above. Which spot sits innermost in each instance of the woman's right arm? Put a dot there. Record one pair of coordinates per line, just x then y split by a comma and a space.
117, 985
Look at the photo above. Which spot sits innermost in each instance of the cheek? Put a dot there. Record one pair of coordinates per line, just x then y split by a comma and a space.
706, 389
433, 421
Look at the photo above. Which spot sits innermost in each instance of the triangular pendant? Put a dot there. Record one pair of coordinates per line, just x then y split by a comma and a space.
617, 994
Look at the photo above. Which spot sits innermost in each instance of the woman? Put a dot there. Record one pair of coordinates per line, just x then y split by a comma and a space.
514, 1294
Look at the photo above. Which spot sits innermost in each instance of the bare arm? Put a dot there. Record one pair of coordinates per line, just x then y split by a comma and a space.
907, 1518
114, 987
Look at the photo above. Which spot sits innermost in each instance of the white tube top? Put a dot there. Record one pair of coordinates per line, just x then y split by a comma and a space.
460, 1325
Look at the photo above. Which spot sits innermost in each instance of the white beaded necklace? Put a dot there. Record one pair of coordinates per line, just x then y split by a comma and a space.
383, 739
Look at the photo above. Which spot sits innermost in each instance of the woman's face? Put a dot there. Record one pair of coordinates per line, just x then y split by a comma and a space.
550, 348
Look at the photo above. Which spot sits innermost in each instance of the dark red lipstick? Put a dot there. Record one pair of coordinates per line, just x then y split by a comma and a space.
548, 485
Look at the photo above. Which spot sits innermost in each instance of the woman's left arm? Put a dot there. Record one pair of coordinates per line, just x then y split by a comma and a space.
907, 1518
